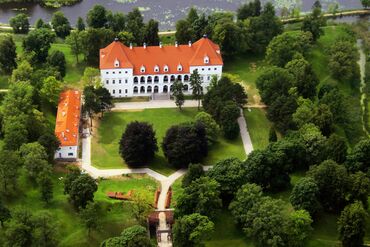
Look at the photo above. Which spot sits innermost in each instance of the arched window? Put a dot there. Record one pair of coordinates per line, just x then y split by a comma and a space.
142, 69
142, 79
171, 88
165, 78
165, 89
186, 78
155, 89
136, 80
156, 68
135, 89
179, 67
149, 89
186, 88
165, 69
142, 89
149, 79
156, 79
179, 77
173, 78
206, 59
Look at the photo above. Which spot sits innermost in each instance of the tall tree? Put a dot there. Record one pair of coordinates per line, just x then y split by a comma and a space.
151, 33
212, 128
135, 25
57, 59
20, 23
4, 214
46, 229
250, 9
194, 172
192, 16
358, 158
365, 3
50, 142
178, 94
80, 26
196, 87
313, 23
184, 32
116, 22
230, 36
46, 187
10, 163
34, 157
60, 24
8, 54
97, 17
305, 195
38, 41
23, 72
82, 190
90, 216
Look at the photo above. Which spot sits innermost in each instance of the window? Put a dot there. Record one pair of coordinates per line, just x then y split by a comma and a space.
125, 72
179, 67
119, 81
208, 78
142, 69
165, 68
125, 90
206, 59
113, 81
116, 63
70, 154
215, 69
119, 91
156, 68
107, 72
209, 68
119, 72
202, 69
125, 80
107, 82
114, 91
114, 72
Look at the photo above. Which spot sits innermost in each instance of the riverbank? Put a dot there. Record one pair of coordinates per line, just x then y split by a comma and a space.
44, 3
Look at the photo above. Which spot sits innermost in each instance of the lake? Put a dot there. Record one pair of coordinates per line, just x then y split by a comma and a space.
165, 11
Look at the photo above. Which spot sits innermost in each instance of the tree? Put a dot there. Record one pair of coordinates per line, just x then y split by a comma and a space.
80, 24
8, 54
46, 187
332, 180
116, 21
72, 175
135, 25
90, 216
91, 104
60, 24
51, 90
337, 103
97, 17
284, 47
365, 3
192, 230
272, 135
229, 173
91, 77
138, 144
178, 94
151, 33
212, 128
41, 24
305, 78
185, 144
126, 38
141, 208
51, 144
298, 227
358, 158
4, 214
105, 100
19, 230
343, 58
15, 131
23, 72
34, 157
134, 236
230, 36
46, 230
305, 195
313, 22
58, 60
75, 41
201, 196
184, 32
228, 120
20, 23
192, 16
38, 42
194, 172
18, 100
352, 224
314, 143
250, 9
82, 190
196, 87
336, 148
359, 188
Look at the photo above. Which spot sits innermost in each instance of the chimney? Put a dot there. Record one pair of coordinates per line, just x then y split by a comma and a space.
189, 43
176, 44
160, 45
131, 46
144, 45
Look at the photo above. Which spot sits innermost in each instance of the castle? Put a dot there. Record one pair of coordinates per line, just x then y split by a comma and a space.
143, 71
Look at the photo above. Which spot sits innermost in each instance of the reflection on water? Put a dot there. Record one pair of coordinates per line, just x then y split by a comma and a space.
165, 11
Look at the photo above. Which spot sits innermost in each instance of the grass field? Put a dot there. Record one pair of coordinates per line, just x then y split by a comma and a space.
258, 127
115, 217
106, 138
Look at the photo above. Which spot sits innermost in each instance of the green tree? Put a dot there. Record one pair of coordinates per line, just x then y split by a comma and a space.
140, 208
41, 24
38, 42
230, 36
97, 17
57, 60
298, 227
192, 230
51, 144
116, 21
194, 172
201, 196
191, 136
80, 24
212, 128
365, 3
46, 187
336, 148
90, 216
4, 214
74, 40
250, 9
72, 175
20, 23
151, 33
15, 131
272, 135
18, 100
23, 72
82, 190
135, 25
8, 54
359, 188
51, 89
229, 173
314, 143
134, 236
138, 144
126, 38
228, 120
178, 94
352, 225
46, 230
20, 228
105, 100
358, 158
60, 24
184, 32
313, 23
192, 16
91, 77
285, 46
34, 157
305, 195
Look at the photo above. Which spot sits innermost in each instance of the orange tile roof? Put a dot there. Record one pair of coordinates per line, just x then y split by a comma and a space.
68, 117
152, 56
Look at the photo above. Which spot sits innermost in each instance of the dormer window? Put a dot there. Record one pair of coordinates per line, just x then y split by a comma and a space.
179, 67
165, 68
156, 68
142, 69
116, 63
206, 59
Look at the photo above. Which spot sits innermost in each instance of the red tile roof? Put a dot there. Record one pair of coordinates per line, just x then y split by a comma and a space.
152, 56
68, 117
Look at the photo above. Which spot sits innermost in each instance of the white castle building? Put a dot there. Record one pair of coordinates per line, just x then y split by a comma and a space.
143, 71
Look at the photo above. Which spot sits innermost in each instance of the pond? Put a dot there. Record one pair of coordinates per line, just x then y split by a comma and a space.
165, 11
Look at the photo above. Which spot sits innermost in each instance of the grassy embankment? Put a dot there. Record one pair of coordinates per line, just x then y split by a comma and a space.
106, 138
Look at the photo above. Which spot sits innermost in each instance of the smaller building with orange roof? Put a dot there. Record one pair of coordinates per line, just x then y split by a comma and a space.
67, 124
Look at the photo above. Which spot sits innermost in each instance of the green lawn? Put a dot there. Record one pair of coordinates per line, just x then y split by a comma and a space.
258, 127
105, 141
71, 231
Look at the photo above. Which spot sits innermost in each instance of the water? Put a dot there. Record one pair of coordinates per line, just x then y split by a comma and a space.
165, 11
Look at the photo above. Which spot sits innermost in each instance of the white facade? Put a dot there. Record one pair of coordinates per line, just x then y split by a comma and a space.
67, 152
124, 83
